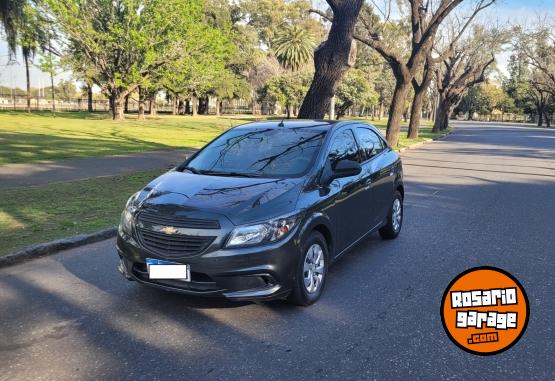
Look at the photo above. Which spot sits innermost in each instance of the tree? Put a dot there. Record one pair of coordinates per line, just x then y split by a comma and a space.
11, 15
49, 64
193, 75
424, 21
30, 36
425, 18
227, 87
473, 101
126, 41
465, 66
293, 47
355, 89
539, 49
332, 58
268, 17
517, 85
420, 88
287, 89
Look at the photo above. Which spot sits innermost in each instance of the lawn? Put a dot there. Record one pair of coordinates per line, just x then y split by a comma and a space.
43, 213
40, 136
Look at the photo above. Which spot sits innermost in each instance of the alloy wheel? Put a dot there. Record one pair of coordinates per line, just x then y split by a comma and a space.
397, 214
313, 269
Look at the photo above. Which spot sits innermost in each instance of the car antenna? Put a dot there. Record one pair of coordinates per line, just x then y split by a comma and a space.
281, 124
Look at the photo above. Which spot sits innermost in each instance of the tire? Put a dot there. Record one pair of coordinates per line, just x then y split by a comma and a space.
314, 248
393, 225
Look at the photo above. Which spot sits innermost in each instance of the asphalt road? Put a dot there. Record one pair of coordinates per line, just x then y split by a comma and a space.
483, 196
30, 174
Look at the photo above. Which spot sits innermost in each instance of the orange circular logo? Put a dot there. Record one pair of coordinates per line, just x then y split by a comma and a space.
485, 310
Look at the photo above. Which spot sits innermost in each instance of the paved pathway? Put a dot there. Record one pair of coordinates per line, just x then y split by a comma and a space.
16, 175
482, 196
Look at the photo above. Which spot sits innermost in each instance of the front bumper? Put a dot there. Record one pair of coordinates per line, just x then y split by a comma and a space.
257, 273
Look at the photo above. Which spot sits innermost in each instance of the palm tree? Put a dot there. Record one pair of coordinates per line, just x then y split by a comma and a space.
30, 35
23, 27
293, 47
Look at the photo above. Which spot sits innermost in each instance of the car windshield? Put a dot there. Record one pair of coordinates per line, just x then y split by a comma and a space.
260, 152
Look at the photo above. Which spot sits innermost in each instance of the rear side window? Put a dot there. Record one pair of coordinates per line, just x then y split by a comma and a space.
371, 143
343, 147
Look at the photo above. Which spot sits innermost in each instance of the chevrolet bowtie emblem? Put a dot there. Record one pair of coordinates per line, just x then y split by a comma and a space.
169, 230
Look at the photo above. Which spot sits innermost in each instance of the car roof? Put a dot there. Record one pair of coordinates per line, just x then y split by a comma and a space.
299, 123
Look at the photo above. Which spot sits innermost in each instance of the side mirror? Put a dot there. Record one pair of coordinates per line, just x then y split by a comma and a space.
346, 168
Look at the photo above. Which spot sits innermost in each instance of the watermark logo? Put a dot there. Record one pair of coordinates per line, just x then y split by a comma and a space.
485, 310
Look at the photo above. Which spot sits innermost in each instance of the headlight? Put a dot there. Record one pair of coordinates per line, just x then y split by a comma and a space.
126, 222
265, 232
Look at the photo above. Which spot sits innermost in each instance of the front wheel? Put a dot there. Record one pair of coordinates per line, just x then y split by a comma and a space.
394, 221
311, 271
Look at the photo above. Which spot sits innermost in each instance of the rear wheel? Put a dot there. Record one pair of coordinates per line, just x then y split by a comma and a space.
311, 271
394, 221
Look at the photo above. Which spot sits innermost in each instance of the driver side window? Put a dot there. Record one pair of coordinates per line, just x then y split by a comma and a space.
370, 142
343, 147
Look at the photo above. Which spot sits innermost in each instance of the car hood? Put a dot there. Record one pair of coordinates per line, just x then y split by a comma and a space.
242, 200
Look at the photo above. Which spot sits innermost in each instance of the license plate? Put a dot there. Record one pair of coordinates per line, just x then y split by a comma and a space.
158, 269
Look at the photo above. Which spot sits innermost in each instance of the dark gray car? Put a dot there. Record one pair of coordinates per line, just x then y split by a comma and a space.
263, 210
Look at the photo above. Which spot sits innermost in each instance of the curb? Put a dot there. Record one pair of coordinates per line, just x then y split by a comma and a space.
48, 248
420, 144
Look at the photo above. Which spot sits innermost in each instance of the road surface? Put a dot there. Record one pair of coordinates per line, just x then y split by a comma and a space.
483, 196
20, 175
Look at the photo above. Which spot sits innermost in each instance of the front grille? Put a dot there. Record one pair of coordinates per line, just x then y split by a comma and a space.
172, 246
149, 218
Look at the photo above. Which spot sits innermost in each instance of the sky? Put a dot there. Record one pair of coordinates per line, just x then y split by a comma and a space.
514, 11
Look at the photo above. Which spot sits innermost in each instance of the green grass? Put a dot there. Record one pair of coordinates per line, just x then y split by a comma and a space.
43, 213
40, 136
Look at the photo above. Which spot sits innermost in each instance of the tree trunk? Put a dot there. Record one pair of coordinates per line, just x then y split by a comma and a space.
111, 103
442, 115
203, 106
118, 107
331, 60
331, 111
253, 106
141, 112
539, 108
126, 107
217, 106
396, 109
470, 110
53, 90
152, 101
194, 104
28, 78
174, 105
416, 114
89, 98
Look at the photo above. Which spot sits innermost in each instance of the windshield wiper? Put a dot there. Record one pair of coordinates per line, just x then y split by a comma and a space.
229, 174
193, 170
